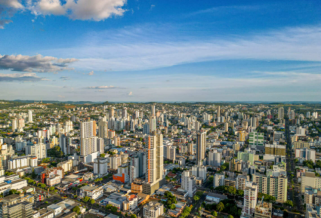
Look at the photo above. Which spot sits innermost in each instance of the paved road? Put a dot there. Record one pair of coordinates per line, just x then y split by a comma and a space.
293, 195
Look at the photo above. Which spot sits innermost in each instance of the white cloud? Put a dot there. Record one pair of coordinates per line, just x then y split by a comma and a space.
130, 50
51, 7
130, 93
64, 78
36, 63
101, 87
7, 9
12, 4
18, 77
91, 73
96, 10
4, 22
61, 96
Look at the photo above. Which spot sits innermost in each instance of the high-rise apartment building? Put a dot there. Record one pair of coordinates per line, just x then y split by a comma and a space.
188, 183
100, 166
112, 112
30, 120
155, 160
218, 111
88, 139
170, 152
14, 124
68, 126
256, 139
200, 147
306, 154
16, 206
88, 129
272, 185
275, 149
281, 113
218, 180
124, 113
310, 179
250, 198
64, 143
39, 150
214, 158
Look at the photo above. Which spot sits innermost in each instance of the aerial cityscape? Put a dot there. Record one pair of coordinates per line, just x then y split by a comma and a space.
159, 109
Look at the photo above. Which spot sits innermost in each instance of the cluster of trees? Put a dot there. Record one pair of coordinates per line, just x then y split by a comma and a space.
88, 199
13, 191
198, 195
30, 181
171, 200
79, 186
230, 189
224, 167
289, 203
308, 163
8, 173
187, 210
111, 208
45, 160
76, 210
267, 198
225, 206
98, 180
55, 152
41, 185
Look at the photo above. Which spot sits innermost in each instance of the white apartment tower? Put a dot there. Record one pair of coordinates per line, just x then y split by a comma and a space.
281, 113
250, 198
30, 120
155, 158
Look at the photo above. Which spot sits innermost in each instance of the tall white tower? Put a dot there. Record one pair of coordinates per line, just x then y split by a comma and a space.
30, 120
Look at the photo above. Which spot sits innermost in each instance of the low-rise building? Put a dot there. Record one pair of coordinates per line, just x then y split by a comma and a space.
94, 192
153, 210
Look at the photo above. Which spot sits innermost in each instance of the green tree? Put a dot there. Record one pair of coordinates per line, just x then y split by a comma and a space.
52, 188
86, 199
220, 207
76, 210
289, 203
196, 198
92, 201
214, 213
133, 216
230, 216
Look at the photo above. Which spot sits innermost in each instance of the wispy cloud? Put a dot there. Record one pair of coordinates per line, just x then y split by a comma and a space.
18, 77
91, 73
130, 93
101, 87
129, 53
225, 9
65, 78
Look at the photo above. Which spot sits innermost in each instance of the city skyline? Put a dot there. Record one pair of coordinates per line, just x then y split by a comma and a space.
139, 51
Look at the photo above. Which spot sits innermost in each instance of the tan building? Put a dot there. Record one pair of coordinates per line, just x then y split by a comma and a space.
301, 144
309, 179
235, 165
272, 185
275, 149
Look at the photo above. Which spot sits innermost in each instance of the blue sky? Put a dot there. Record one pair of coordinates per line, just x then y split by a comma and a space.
156, 50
